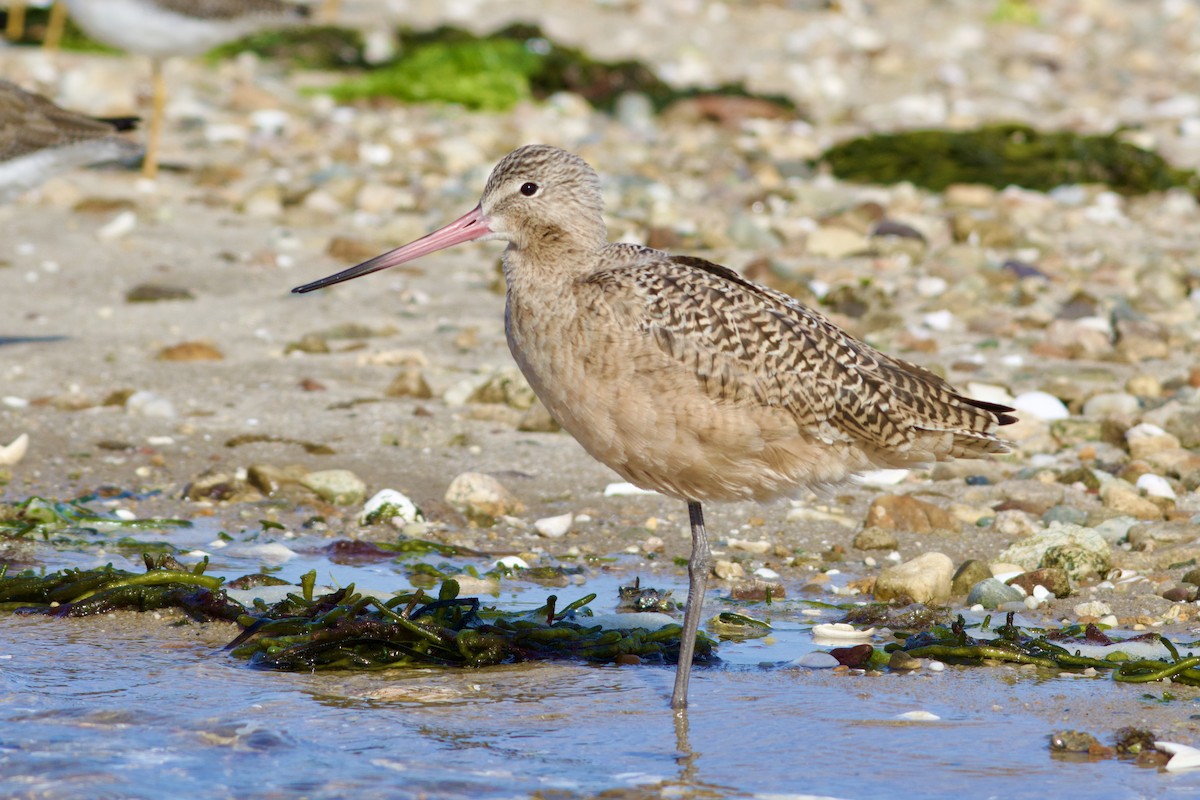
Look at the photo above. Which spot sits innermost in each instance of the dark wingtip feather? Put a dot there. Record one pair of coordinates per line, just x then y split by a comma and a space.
121, 123
1003, 417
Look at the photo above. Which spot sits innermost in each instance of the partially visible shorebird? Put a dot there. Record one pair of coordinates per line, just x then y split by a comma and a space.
683, 376
39, 139
164, 28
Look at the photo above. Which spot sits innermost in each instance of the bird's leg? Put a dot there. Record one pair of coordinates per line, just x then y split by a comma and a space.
56, 25
14, 30
150, 162
699, 565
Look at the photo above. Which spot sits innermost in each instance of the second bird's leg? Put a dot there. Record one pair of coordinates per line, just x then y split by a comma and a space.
154, 137
699, 565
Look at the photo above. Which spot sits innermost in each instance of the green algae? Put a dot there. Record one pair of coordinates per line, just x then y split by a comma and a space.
347, 630
486, 75
80, 593
1004, 155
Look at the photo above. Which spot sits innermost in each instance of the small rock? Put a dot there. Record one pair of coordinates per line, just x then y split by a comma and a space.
836, 242
156, 293
1014, 523
903, 662
1053, 579
817, 659
757, 591
970, 573
190, 351
1077, 561
1192, 576
554, 527
341, 487
905, 513
1117, 495
482, 498
1185, 426
728, 570
1064, 513
409, 383
507, 386
149, 404
221, 487
1155, 486
1093, 608
1180, 594
1112, 405
1042, 405
924, 579
872, 538
759, 546
12, 453
537, 419
389, 505
1146, 440
991, 593
275, 481
1080, 551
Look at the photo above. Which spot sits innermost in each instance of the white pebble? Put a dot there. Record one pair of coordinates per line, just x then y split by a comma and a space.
817, 659
149, 404
554, 527
14, 451
766, 573
935, 666
918, 716
938, 320
120, 225
1155, 486
406, 511
1042, 405
1093, 608
620, 489
512, 562
881, 477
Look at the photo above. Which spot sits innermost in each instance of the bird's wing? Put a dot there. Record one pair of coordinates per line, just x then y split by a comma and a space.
746, 343
30, 122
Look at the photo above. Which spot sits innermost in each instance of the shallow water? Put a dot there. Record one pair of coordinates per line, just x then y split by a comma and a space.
142, 706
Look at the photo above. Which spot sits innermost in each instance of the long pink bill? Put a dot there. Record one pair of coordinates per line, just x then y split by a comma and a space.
470, 226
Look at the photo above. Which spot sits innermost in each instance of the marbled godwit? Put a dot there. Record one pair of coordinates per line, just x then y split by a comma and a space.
164, 28
681, 375
39, 139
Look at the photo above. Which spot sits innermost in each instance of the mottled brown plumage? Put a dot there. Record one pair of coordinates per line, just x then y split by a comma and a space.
681, 375
39, 139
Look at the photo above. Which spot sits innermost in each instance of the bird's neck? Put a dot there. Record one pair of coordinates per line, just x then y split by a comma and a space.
552, 259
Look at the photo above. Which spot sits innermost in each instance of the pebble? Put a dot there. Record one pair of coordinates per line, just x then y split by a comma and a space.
872, 538
1042, 405
1051, 580
969, 573
12, 453
817, 659
1155, 486
554, 527
892, 512
1093, 608
1112, 405
149, 404
341, 487
391, 506
482, 498
924, 579
728, 570
1081, 551
991, 593
1120, 496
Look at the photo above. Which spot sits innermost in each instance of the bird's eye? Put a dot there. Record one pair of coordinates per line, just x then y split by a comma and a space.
529, 188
